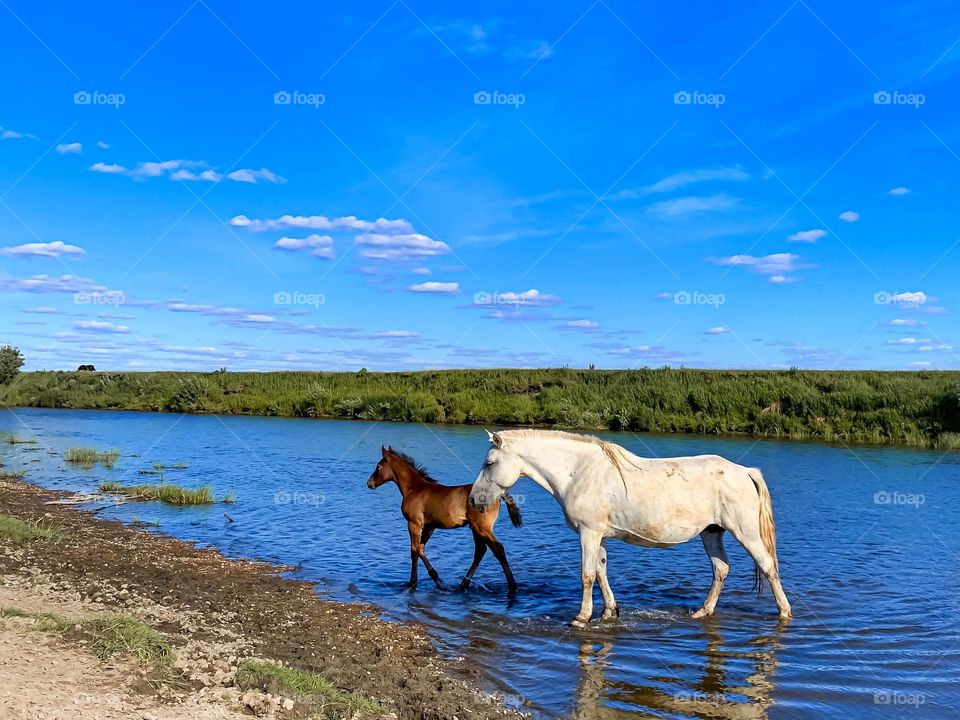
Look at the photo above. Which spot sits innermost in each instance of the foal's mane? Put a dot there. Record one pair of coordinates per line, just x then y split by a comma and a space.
417, 467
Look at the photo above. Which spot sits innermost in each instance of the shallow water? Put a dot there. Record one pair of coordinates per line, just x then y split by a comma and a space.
868, 544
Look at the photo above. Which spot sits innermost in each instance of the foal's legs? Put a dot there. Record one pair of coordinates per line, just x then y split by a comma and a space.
498, 552
713, 543
610, 607
479, 550
589, 554
424, 539
418, 542
754, 545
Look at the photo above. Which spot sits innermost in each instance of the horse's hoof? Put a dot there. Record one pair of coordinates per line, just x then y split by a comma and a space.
512, 590
464, 584
701, 613
785, 616
610, 614
579, 622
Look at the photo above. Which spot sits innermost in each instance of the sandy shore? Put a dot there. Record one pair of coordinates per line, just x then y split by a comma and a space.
216, 614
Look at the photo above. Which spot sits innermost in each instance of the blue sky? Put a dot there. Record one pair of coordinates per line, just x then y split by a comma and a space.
418, 185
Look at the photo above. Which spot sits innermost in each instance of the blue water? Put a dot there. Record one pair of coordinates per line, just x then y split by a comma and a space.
868, 544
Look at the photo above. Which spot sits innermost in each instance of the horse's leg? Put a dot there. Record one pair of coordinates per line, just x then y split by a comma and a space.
753, 544
424, 539
485, 529
589, 553
479, 550
415, 529
610, 607
713, 543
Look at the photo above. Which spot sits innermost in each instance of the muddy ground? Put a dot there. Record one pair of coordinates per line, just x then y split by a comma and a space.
216, 612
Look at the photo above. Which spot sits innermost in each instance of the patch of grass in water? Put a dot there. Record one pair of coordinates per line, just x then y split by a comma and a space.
19, 531
87, 457
112, 635
11, 439
12, 474
230, 497
164, 492
306, 686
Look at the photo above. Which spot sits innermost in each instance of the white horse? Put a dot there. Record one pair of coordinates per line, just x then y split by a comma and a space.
606, 491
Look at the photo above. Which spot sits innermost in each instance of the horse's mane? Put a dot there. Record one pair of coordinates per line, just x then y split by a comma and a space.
614, 453
420, 469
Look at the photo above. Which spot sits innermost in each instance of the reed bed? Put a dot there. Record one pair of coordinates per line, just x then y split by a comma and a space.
164, 492
905, 408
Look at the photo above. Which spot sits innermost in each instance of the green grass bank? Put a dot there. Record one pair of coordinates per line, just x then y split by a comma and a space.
902, 408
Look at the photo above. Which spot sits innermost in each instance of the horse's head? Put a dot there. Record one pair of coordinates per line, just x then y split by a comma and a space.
501, 470
383, 472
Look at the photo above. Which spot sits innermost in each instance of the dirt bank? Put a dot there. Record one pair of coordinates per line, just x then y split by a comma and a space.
215, 613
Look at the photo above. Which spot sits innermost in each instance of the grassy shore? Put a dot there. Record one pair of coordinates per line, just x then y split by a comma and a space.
905, 408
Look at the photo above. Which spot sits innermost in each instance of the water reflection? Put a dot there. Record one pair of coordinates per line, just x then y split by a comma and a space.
715, 694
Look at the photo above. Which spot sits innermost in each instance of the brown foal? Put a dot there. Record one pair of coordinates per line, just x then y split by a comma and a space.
427, 505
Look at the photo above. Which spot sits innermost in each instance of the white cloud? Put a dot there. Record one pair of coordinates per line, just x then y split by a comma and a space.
156, 169
421, 271
900, 322
411, 246
319, 245
206, 175
8, 134
681, 179
439, 288
663, 296
777, 266
102, 145
47, 284
66, 148
678, 207
909, 298
44, 310
582, 325
849, 216
920, 363
397, 334
322, 222
807, 236
99, 326
898, 191
41, 249
108, 168
718, 330
907, 341
254, 318
247, 175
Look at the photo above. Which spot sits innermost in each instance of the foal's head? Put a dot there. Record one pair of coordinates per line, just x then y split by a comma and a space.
383, 472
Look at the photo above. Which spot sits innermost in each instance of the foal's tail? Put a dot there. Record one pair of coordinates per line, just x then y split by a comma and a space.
513, 509
768, 529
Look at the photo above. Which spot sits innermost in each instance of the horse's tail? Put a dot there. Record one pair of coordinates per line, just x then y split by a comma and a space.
513, 509
768, 529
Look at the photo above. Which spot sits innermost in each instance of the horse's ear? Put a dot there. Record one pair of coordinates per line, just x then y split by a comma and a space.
383, 450
495, 438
